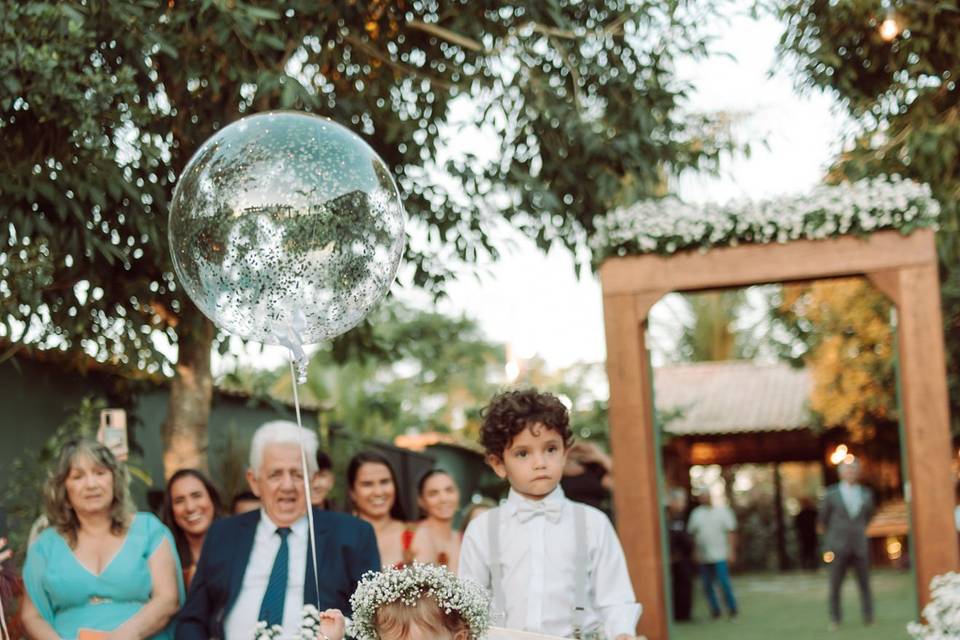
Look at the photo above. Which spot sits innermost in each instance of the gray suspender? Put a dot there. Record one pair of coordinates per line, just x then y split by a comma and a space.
498, 610
580, 568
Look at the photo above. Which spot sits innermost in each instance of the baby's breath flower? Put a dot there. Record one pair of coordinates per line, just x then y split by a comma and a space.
309, 626
409, 585
668, 225
942, 613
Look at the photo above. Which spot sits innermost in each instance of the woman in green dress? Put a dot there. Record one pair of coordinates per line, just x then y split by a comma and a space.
100, 567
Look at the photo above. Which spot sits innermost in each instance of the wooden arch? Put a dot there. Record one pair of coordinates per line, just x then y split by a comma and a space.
903, 267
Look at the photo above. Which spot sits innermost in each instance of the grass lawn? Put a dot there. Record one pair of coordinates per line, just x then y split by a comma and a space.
793, 606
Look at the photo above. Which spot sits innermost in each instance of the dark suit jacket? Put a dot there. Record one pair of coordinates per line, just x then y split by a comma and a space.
844, 534
346, 549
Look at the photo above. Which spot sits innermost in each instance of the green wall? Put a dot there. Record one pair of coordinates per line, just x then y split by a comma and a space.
37, 397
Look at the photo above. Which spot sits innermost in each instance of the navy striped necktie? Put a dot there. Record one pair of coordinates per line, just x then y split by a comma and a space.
271, 610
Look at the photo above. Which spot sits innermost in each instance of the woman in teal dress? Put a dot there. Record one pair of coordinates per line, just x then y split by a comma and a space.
100, 566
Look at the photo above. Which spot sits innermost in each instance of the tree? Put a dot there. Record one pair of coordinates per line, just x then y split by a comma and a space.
840, 329
103, 103
418, 370
707, 327
711, 334
902, 92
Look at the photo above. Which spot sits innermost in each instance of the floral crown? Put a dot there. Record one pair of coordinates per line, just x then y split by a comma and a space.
409, 585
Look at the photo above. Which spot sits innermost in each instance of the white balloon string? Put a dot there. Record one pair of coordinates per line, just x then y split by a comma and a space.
306, 483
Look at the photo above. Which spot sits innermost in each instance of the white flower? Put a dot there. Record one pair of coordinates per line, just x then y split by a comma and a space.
309, 626
411, 583
942, 613
668, 225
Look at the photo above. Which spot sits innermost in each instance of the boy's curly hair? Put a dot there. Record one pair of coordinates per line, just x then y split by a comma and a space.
510, 412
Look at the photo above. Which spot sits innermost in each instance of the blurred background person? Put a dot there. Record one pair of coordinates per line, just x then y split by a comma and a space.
439, 500
713, 528
681, 555
805, 523
100, 565
322, 481
372, 488
243, 502
956, 509
474, 510
844, 515
190, 505
11, 586
587, 476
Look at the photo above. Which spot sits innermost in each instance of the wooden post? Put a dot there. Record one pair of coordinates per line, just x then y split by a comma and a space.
927, 424
635, 457
903, 267
782, 561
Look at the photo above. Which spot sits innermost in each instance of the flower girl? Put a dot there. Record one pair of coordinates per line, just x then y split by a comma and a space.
415, 602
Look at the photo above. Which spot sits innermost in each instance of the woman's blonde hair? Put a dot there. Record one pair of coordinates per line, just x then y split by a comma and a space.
395, 619
59, 510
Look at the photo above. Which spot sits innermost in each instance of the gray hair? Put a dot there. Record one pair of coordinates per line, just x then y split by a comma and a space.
283, 432
852, 464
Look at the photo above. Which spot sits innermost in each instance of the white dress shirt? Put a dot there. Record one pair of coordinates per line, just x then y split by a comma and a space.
852, 496
538, 573
242, 618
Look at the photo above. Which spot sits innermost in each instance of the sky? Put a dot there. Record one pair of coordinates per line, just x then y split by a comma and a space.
534, 302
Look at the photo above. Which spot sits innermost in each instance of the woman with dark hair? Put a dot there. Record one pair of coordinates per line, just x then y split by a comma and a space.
190, 505
100, 566
322, 481
372, 488
439, 500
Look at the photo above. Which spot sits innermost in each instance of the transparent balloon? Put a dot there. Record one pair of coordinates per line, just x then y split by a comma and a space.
287, 229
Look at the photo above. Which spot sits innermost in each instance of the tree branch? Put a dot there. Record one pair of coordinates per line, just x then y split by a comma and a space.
373, 52
446, 34
571, 65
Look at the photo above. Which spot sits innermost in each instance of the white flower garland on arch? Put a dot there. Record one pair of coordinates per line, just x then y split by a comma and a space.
942, 613
667, 225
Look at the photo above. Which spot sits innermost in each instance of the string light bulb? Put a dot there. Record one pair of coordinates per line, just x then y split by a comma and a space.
839, 454
889, 28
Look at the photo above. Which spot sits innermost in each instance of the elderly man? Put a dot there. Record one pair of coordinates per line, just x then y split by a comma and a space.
846, 510
258, 566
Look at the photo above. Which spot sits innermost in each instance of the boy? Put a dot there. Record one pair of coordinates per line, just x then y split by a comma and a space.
554, 566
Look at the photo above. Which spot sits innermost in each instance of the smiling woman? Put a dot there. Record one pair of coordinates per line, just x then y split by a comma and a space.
100, 566
191, 504
372, 486
439, 501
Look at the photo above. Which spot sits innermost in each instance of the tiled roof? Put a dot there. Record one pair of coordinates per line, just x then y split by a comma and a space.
890, 519
733, 397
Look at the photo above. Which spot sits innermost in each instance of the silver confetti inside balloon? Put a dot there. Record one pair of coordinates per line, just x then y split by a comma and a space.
286, 228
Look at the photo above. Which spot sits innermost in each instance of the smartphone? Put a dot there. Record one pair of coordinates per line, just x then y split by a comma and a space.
113, 432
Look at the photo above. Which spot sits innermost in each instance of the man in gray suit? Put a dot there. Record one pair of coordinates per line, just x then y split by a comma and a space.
847, 508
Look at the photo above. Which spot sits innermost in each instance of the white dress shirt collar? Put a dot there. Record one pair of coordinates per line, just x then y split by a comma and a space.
514, 500
536, 559
268, 526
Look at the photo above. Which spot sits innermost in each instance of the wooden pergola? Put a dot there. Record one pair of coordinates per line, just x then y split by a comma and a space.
733, 412
902, 267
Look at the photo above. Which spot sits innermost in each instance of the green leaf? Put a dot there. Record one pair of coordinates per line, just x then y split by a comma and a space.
262, 13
